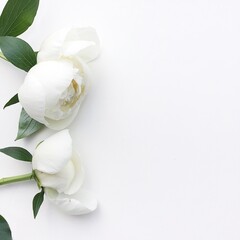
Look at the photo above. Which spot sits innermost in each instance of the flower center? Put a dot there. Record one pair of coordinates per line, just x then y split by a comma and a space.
68, 100
71, 96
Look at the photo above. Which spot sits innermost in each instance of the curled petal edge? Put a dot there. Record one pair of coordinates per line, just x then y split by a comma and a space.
82, 202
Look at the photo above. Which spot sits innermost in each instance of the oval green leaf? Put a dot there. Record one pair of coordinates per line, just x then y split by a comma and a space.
18, 52
17, 16
5, 232
17, 153
27, 126
37, 202
12, 101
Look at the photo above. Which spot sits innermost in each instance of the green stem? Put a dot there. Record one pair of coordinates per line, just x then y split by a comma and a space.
2, 56
20, 178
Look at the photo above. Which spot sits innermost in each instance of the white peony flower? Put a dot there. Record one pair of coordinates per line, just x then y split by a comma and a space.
53, 92
59, 171
54, 89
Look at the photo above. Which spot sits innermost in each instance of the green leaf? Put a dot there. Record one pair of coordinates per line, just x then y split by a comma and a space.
27, 126
37, 202
18, 52
17, 16
12, 101
5, 231
17, 153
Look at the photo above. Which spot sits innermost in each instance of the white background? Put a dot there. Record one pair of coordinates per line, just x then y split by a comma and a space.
159, 131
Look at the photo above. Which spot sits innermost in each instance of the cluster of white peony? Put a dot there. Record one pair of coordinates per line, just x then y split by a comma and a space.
53, 90
52, 93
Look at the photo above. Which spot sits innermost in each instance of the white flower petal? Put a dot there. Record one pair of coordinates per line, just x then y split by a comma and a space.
59, 181
54, 153
82, 202
77, 181
51, 47
84, 69
82, 42
32, 97
62, 123
55, 77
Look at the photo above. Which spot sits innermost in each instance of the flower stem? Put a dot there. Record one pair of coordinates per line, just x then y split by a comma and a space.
14, 179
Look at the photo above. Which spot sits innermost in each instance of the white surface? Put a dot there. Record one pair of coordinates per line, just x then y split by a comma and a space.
159, 131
